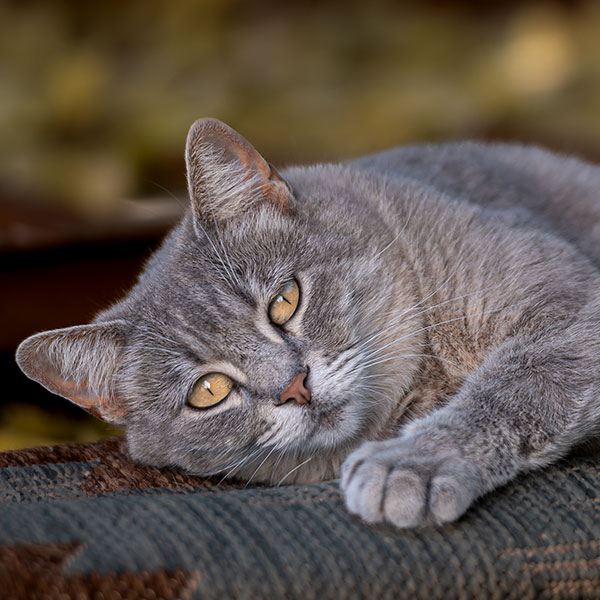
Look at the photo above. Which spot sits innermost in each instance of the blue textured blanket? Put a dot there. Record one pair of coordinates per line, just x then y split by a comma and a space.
78, 520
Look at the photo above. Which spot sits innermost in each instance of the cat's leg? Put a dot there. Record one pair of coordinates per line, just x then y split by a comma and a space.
526, 406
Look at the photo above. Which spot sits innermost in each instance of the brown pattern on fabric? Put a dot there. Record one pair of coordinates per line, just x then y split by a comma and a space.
544, 550
568, 570
114, 471
36, 571
583, 588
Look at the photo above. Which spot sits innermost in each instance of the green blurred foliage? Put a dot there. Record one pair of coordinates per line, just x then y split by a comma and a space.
24, 425
97, 97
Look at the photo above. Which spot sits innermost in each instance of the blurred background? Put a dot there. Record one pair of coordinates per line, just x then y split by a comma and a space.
96, 100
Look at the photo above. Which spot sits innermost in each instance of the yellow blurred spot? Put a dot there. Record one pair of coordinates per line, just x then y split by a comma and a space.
537, 60
76, 88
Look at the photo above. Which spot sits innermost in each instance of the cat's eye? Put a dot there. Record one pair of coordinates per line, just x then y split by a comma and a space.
210, 390
285, 303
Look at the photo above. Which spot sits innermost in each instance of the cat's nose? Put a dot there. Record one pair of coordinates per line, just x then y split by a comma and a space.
296, 392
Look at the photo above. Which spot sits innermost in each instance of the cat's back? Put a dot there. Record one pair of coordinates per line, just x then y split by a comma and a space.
545, 190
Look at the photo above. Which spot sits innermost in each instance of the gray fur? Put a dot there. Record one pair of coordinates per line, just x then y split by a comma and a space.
450, 319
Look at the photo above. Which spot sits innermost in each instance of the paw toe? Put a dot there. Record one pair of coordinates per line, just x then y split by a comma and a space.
449, 498
405, 499
364, 491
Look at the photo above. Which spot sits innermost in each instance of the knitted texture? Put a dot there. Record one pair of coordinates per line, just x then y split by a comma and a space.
83, 520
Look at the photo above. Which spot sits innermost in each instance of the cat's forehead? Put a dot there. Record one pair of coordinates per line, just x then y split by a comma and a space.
209, 301
200, 329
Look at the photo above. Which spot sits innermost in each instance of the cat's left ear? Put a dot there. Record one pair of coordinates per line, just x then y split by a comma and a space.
227, 177
79, 363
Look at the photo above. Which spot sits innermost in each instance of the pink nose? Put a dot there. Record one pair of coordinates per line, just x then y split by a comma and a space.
296, 391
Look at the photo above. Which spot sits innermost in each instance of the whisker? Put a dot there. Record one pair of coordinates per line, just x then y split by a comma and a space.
397, 236
414, 306
395, 322
259, 466
294, 469
274, 470
164, 189
393, 356
238, 465
434, 325
430, 308
229, 274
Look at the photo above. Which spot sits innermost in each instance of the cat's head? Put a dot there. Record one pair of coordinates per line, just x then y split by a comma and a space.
262, 325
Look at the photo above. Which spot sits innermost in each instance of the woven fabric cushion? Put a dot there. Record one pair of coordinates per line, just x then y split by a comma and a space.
82, 520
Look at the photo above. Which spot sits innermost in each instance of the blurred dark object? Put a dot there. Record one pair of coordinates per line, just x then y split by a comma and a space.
27, 226
60, 270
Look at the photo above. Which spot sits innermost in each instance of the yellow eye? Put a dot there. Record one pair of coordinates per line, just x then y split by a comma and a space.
285, 303
210, 390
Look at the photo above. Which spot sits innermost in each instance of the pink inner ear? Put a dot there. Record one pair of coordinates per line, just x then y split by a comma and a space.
282, 192
274, 188
101, 406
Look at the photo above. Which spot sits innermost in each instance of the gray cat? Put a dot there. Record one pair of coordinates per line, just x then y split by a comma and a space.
423, 323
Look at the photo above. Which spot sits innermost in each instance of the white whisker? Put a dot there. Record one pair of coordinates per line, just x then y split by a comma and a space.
274, 470
434, 325
294, 469
397, 236
231, 269
238, 465
259, 466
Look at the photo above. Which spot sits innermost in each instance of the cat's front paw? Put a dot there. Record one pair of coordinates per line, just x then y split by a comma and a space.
402, 485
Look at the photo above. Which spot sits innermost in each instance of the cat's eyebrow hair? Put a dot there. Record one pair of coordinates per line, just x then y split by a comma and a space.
226, 367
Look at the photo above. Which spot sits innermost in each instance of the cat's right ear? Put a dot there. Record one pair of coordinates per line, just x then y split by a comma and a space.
227, 177
78, 363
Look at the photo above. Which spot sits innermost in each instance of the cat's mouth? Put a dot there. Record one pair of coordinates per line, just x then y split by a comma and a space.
332, 422
325, 416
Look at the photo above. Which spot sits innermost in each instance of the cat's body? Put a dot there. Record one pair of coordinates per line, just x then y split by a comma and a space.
449, 319
527, 185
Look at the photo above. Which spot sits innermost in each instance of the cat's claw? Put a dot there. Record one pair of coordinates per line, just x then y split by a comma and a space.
391, 482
